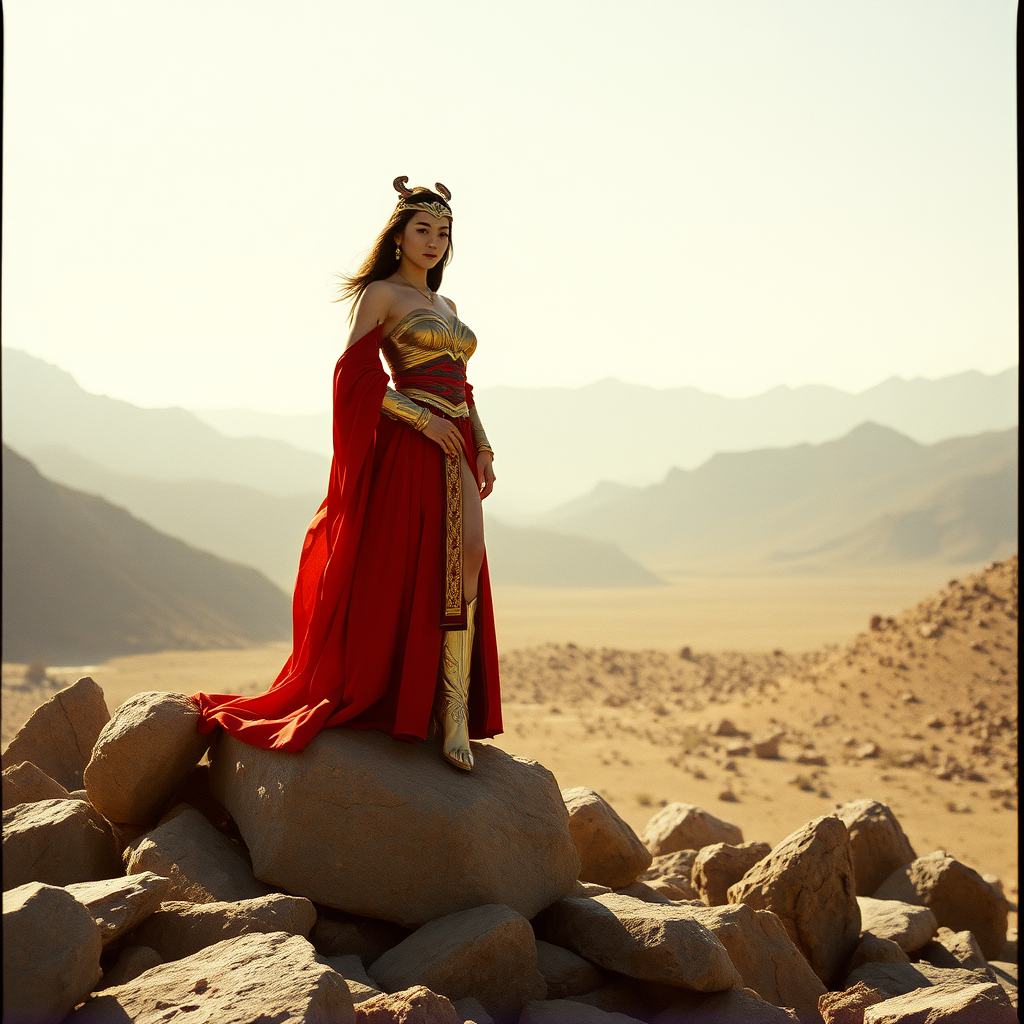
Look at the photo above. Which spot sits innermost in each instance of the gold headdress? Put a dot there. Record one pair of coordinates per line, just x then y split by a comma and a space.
434, 203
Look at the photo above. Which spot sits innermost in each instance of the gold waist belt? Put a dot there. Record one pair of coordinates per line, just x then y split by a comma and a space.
419, 395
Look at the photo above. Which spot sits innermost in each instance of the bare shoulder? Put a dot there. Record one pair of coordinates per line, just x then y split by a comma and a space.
451, 303
373, 308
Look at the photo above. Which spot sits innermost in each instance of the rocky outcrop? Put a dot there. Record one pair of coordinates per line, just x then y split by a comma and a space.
717, 867
56, 842
807, 880
203, 865
878, 843
909, 926
415, 1005
610, 852
142, 755
120, 904
957, 895
237, 981
178, 930
25, 783
58, 737
656, 942
451, 841
687, 827
945, 1004
51, 953
488, 953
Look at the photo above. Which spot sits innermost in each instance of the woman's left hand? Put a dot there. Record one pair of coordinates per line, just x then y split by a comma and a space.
484, 473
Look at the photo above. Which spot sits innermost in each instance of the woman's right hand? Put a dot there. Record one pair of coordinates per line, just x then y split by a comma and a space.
444, 433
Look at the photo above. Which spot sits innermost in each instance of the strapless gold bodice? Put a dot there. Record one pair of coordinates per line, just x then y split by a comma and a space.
427, 355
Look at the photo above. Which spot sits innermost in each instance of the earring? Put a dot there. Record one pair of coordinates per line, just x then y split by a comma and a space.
398, 252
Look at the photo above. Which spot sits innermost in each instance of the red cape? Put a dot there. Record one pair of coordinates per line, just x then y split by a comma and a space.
366, 645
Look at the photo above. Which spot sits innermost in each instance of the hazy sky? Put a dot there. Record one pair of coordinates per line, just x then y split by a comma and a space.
731, 194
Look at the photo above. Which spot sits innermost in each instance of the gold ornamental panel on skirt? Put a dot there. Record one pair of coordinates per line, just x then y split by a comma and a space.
453, 615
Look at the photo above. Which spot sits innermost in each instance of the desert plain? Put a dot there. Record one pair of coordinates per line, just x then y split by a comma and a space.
897, 688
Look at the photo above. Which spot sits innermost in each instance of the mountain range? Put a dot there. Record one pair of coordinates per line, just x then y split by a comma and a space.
84, 581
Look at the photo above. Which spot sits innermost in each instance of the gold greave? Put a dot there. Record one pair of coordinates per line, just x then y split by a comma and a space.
401, 407
456, 653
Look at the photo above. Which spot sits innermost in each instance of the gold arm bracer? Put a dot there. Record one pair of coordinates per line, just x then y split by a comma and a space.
401, 407
479, 437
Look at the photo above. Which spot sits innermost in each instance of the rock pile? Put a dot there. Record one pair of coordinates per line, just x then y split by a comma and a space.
363, 880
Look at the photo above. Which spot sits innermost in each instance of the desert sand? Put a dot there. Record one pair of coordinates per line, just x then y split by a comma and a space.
917, 710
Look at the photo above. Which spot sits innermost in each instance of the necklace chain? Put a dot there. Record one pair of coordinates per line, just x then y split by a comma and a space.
426, 295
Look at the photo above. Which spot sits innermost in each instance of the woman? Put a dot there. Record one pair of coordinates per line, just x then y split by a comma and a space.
392, 615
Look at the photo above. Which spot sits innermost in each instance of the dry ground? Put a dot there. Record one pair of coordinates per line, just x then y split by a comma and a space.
918, 711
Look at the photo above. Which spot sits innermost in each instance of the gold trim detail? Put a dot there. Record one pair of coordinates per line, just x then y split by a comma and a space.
479, 436
435, 208
453, 539
459, 411
401, 407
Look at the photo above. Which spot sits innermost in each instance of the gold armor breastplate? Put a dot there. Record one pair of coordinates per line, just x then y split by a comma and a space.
427, 355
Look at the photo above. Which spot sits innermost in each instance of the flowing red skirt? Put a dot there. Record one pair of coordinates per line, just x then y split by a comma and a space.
366, 647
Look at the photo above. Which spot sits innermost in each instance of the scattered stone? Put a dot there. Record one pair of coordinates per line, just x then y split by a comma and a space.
671, 874
338, 934
767, 747
643, 891
565, 973
867, 750
935, 722
737, 748
879, 844
954, 949
488, 952
416, 1005
908, 697
958, 896
1006, 974
51, 953
908, 925
203, 865
810, 756
807, 880
59, 735
653, 942
610, 851
118, 905
132, 962
680, 826
872, 949
178, 930
891, 978
456, 840
142, 755
237, 981
725, 727
848, 1005
720, 865
56, 842
25, 783
945, 1004
565, 1011
764, 954
728, 796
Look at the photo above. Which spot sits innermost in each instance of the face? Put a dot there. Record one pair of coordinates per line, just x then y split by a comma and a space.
425, 240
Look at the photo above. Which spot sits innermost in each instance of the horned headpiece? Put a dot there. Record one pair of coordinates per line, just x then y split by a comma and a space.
420, 198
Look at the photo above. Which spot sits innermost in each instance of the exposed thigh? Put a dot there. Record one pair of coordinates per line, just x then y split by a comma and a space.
472, 507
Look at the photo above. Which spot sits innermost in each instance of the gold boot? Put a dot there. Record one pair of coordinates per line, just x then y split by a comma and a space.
456, 652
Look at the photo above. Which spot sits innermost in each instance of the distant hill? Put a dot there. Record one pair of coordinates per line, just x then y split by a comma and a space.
84, 581
43, 406
238, 523
528, 557
554, 444
834, 503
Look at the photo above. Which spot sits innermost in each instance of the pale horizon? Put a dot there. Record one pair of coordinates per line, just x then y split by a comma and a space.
728, 195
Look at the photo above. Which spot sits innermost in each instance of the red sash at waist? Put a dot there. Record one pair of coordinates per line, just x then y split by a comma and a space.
445, 378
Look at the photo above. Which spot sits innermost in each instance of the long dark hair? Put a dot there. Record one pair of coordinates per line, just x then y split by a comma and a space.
381, 261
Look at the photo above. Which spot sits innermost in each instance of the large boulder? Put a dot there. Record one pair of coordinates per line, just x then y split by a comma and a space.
954, 949
564, 972
415, 1005
58, 737
142, 755
764, 954
671, 874
118, 905
203, 865
909, 926
878, 842
407, 839
720, 865
872, 949
178, 929
488, 953
736, 1006
982, 1003
57, 842
958, 896
276, 977
610, 851
51, 953
663, 943
25, 783
807, 880
681, 826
